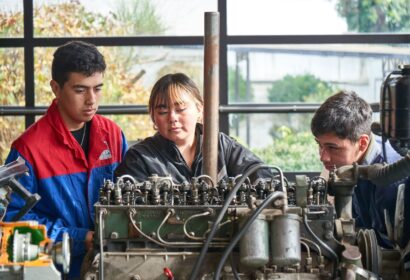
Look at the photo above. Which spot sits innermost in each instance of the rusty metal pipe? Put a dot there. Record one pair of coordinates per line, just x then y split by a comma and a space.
211, 95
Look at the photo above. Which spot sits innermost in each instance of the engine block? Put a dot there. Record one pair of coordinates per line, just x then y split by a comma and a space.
157, 230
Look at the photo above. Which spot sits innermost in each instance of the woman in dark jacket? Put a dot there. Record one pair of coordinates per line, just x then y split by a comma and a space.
176, 109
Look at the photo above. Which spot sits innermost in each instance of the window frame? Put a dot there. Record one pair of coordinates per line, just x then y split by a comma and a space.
29, 42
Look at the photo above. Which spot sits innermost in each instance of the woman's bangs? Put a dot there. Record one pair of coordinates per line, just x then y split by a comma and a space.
172, 96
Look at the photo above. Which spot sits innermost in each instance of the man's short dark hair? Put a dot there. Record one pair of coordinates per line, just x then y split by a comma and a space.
345, 114
78, 57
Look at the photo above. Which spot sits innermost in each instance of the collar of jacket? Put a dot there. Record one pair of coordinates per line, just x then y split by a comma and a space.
372, 152
57, 123
169, 146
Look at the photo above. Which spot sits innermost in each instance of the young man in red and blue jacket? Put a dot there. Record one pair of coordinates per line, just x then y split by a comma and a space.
70, 151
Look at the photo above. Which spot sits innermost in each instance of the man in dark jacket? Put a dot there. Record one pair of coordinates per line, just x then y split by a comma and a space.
342, 129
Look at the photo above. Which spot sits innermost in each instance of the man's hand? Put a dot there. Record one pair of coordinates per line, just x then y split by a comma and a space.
89, 240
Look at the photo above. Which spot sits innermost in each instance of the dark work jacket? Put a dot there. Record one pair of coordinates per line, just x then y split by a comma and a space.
158, 155
370, 201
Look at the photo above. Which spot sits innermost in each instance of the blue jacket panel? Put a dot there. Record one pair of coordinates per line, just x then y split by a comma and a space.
369, 201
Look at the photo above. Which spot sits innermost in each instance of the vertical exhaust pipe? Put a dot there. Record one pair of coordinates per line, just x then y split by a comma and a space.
211, 95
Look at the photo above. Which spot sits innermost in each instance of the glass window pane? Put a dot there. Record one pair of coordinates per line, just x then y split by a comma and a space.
11, 128
42, 76
135, 127
130, 73
57, 18
12, 76
309, 73
283, 140
11, 19
313, 17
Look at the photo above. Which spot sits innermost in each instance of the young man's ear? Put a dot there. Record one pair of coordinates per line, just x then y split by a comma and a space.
364, 142
55, 87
